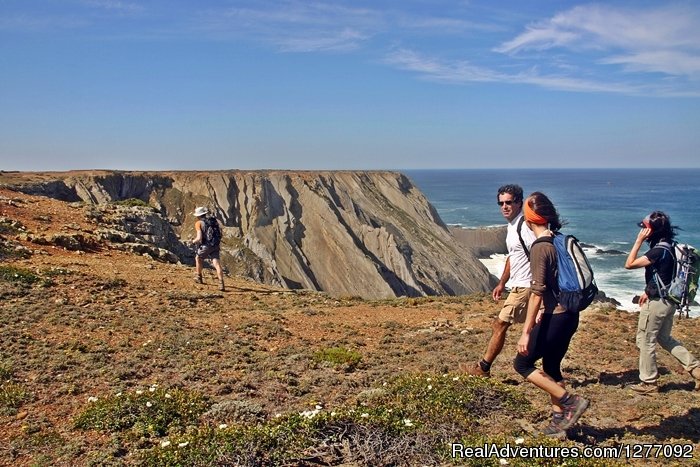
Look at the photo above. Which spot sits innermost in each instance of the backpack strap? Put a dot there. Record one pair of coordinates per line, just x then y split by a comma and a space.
660, 286
520, 236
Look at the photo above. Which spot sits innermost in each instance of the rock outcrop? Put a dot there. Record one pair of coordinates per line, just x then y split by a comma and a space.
484, 241
369, 234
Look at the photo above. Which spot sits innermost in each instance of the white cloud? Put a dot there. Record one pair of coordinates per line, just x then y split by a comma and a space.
322, 41
114, 5
462, 72
663, 61
438, 70
658, 40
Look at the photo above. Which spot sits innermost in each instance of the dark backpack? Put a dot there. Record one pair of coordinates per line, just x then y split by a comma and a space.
575, 282
211, 232
684, 281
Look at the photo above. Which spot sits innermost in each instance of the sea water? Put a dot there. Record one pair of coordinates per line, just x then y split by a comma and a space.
601, 207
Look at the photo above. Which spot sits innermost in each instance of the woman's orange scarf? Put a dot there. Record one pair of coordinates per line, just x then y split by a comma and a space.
532, 216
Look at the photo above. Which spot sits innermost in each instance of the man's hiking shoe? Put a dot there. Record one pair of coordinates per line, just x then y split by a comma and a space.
554, 429
644, 388
695, 373
572, 411
198, 279
473, 369
221, 287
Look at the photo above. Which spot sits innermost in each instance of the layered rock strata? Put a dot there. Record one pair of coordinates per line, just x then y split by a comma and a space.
368, 234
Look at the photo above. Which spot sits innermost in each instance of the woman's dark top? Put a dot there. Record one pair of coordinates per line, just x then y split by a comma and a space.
663, 261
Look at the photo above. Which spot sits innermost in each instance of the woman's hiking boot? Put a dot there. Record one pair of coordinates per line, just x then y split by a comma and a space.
221, 286
695, 373
554, 429
644, 388
198, 279
572, 410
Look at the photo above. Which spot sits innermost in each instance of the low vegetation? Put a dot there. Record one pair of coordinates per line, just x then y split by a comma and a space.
339, 357
132, 202
110, 358
9, 273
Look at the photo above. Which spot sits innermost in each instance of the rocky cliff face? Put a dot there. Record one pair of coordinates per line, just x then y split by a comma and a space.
370, 234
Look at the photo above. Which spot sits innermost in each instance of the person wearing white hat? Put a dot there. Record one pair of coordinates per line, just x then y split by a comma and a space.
208, 240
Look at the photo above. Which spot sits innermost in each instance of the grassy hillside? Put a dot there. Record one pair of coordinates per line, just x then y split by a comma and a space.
111, 358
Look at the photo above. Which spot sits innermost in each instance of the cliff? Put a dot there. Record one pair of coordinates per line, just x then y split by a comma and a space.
368, 234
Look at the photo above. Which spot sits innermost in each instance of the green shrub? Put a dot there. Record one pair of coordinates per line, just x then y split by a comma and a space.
12, 395
6, 372
132, 202
153, 412
410, 418
16, 274
339, 357
7, 227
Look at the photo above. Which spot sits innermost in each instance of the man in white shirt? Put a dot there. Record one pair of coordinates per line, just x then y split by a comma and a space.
516, 273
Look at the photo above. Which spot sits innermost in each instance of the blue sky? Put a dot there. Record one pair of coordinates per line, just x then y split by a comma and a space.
383, 84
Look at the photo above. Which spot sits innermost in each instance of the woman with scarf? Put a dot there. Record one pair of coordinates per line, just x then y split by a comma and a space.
548, 327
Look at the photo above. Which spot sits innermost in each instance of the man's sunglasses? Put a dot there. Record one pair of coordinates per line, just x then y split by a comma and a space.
509, 202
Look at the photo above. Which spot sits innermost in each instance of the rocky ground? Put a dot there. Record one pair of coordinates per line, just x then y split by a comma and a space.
87, 320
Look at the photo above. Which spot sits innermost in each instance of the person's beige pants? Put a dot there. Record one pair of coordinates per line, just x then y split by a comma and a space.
655, 324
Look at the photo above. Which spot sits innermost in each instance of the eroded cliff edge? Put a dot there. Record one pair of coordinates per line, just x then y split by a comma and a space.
369, 234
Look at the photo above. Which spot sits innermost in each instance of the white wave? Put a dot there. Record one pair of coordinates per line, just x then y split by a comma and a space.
495, 264
617, 283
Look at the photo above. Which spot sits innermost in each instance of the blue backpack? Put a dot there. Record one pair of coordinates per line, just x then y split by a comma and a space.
577, 288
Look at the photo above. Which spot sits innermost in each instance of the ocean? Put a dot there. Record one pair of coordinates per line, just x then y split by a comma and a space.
601, 207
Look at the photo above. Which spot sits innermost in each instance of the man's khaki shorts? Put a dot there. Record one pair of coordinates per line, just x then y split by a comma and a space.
515, 308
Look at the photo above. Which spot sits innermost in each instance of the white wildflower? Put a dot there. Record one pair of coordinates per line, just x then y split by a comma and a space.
167, 395
364, 415
222, 426
430, 386
407, 422
182, 445
519, 440
92, 399
310, 413
119, 394
152, 389
429, 379
318, 407
456, 378
139, 392
502, 461
149, 404
164, 444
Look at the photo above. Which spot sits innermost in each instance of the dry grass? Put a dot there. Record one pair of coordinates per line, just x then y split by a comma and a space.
97, 324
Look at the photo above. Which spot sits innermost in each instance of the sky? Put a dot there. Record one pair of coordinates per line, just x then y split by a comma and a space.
359, 85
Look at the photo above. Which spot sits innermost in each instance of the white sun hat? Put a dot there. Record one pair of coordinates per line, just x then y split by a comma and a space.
201, 211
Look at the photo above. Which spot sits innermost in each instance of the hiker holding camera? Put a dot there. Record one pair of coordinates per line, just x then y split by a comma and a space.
656, 312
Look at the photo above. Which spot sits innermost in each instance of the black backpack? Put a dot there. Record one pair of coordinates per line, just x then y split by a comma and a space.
211, 233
